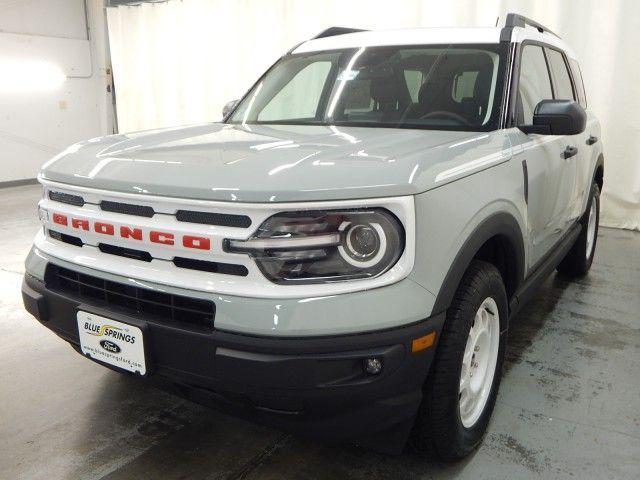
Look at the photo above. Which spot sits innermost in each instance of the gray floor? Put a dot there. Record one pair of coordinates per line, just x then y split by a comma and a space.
568, 407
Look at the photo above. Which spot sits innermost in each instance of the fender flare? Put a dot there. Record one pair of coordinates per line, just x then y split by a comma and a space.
502, 224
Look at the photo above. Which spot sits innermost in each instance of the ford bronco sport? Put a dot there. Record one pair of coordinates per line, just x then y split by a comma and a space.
341, 255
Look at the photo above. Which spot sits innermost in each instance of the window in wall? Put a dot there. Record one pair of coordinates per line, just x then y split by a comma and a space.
534, 85
561, 79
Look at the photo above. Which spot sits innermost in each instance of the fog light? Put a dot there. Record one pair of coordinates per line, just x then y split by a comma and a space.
373, 366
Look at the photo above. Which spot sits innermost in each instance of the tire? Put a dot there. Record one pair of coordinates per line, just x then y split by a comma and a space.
578, 260
440, 428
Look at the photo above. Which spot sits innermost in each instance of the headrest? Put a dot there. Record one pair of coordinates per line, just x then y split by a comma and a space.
386, 90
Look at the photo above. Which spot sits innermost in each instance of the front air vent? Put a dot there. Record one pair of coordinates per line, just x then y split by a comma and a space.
219, 219
127, 209
125, 252
63, 237
61, 197
153, 305
213, 267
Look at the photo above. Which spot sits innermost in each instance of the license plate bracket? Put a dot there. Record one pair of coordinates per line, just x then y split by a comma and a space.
113, 342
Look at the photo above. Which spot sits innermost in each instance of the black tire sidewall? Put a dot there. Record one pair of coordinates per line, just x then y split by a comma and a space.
594, 196
439, 428
473, 435
576, 263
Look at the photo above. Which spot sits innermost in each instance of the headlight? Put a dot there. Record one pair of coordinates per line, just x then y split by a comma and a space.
324, 246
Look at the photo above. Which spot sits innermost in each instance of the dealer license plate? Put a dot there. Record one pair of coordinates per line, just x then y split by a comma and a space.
109, 341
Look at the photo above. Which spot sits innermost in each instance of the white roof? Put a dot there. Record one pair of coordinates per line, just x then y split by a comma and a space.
428, 36
410, 36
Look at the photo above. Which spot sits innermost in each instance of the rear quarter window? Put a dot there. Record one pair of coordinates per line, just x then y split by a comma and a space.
577, 78
560, 73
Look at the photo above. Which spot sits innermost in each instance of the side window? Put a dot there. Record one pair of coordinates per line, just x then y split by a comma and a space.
577, 79
561, 79
534, 85
300, 96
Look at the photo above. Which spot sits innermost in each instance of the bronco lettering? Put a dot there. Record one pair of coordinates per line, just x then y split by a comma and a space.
134, 233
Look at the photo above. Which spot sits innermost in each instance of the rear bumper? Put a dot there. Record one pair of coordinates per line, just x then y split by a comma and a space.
314, 386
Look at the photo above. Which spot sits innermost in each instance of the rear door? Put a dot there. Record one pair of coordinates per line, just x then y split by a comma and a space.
577, 164
587, 155
549, 177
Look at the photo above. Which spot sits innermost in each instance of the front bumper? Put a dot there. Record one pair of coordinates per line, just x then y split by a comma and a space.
310, 385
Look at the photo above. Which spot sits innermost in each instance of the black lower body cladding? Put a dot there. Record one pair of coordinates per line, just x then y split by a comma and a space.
316, 386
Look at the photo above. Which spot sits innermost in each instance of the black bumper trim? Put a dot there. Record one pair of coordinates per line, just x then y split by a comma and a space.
314, 386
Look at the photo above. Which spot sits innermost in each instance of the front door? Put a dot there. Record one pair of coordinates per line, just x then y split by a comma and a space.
551, 172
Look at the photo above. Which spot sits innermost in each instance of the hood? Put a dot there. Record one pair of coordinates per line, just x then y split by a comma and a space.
258, 163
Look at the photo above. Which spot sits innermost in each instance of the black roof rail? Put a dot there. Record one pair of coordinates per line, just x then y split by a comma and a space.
333, 31
517, 20
329, 32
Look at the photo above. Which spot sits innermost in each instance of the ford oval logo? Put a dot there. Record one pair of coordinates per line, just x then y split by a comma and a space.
109, 346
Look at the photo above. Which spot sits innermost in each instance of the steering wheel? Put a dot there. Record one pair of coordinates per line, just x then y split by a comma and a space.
444, 113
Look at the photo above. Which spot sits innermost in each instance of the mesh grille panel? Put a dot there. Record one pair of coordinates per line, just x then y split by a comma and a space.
135, 301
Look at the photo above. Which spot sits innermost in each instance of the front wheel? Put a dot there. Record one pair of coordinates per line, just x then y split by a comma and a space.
461, 390
578, 260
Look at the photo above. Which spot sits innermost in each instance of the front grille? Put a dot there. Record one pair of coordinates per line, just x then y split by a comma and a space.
127, 209
208, 218
61, 197
144, 256
134, 301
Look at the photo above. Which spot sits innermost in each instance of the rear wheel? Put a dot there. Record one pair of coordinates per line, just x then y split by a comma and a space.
461, 390
578, 260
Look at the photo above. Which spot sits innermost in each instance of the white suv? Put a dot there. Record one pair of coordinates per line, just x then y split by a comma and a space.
342, 254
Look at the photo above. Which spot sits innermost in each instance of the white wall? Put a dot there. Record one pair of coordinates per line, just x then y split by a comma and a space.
35, 124
178, 62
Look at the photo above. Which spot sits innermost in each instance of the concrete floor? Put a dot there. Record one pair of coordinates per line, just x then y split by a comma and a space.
568, 406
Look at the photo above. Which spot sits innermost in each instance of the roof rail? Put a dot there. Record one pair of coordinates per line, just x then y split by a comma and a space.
517, 20
333, 31
329, 32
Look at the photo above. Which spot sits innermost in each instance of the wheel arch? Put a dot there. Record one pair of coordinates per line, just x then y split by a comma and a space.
499, 231
598, 171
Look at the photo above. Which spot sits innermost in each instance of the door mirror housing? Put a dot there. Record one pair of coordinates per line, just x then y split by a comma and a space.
229, 107
557, 117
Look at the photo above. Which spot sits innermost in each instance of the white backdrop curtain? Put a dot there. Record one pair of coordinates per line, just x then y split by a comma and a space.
180, 61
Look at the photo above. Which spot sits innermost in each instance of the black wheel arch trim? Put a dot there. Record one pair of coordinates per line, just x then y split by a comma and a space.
599, 165
498, 224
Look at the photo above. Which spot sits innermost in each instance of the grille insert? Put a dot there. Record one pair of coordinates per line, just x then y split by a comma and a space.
63, 237
213, 267
127, 209
208, 218
61, 197
149, 304
125, 252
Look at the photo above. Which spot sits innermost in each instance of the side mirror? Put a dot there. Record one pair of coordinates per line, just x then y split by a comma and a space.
557, 117
228, 108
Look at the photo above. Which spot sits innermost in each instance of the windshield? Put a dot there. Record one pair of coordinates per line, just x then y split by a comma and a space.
451, 87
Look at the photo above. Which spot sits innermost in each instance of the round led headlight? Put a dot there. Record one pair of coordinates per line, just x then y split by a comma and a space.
363, 245
325, 246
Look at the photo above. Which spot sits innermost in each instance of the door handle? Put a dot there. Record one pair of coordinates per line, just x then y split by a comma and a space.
569, 152
591, 140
